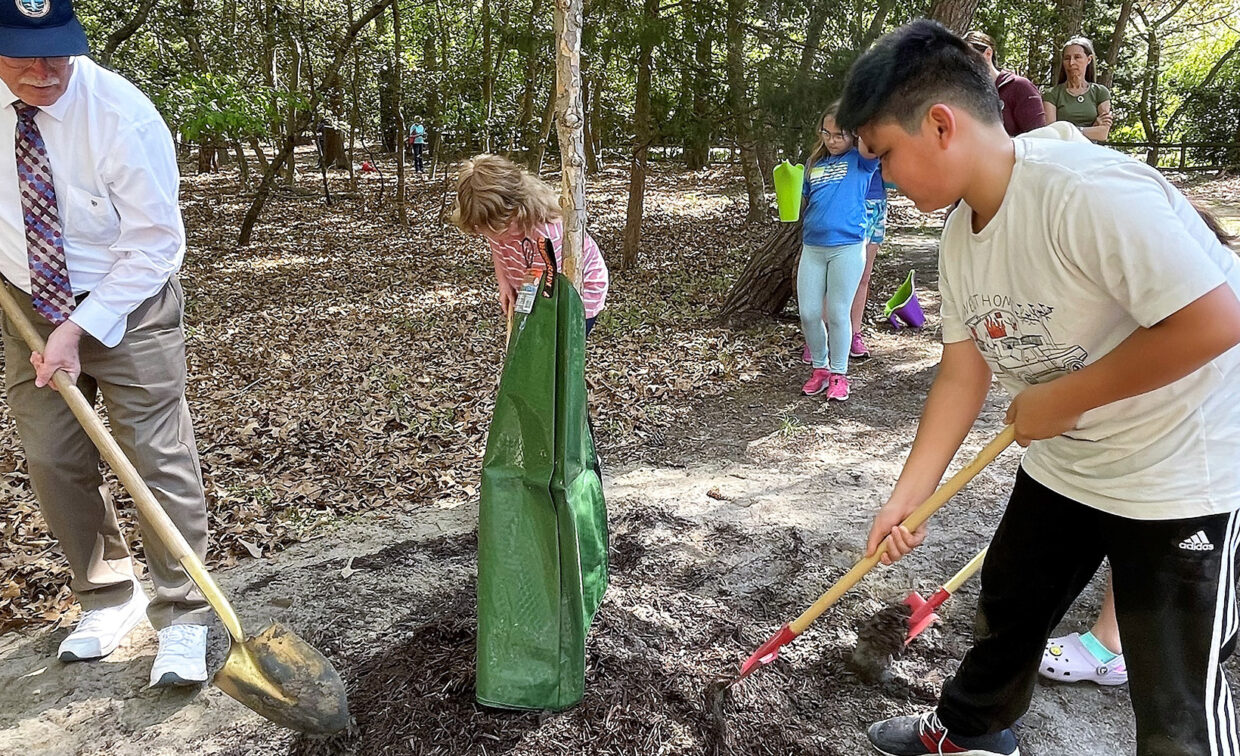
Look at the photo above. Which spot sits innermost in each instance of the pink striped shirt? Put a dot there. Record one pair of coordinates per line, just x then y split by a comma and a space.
593, 270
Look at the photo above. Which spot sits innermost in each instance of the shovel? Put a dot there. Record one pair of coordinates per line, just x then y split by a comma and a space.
275, 673
769, 651
923, 615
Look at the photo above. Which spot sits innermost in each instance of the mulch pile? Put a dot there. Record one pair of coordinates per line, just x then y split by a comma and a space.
660, 639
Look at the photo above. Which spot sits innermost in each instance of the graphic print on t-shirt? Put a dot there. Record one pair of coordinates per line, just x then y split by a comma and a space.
1015, 338
828, 173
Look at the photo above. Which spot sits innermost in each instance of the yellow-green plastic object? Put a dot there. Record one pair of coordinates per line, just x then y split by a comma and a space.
902, 295
542, 521
789, 180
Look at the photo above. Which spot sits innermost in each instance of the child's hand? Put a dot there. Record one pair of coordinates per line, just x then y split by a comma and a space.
1041, 412
887, 525
507, 298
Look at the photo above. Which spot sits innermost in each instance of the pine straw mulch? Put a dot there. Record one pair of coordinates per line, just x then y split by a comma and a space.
341, 363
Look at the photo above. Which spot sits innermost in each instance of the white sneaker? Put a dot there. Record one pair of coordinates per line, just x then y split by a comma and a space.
100, 631
182, 657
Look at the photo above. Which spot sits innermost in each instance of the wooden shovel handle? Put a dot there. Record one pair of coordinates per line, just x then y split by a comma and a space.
912, 522
160, 525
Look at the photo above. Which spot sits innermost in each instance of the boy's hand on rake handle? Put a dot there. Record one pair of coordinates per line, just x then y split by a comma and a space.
887, 525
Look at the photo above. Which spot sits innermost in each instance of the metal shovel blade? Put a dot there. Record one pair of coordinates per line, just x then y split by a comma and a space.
283, 678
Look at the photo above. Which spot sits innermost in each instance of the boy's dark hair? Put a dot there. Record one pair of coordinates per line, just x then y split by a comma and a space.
909, 70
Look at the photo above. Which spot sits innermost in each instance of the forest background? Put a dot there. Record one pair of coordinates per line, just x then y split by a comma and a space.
696, 81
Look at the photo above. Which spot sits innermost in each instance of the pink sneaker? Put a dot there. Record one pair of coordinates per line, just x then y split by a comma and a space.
858, 348
806, 357
837, 387
817, 382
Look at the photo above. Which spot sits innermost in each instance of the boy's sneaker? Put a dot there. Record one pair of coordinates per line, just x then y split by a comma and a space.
817, 382
858, 348
182, 657
1070, 659
925, 735
100, 631
837, 387
806, 357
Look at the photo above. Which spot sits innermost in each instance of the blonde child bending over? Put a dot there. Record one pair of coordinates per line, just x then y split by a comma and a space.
500, 200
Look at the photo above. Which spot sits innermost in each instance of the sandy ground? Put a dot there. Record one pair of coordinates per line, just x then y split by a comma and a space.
753, 508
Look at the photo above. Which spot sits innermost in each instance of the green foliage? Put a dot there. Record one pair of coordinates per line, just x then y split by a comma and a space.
223, 67
221, 105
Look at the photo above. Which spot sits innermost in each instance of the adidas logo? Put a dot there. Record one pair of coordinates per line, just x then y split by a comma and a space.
1197, 542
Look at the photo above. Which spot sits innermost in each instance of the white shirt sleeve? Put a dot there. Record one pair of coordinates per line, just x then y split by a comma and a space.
953, 327
142, 181
1121, 230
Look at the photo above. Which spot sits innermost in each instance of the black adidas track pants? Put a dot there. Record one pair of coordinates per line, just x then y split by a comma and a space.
1175, 596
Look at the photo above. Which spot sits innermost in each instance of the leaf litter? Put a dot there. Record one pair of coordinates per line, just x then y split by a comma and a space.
341, 364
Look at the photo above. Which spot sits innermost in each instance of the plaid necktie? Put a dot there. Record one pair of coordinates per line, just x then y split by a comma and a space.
45, 250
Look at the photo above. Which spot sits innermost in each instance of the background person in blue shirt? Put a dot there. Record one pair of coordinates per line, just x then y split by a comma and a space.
875, 232
832, 253
416, 142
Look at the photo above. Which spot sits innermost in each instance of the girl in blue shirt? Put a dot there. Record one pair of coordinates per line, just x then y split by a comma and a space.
832, 253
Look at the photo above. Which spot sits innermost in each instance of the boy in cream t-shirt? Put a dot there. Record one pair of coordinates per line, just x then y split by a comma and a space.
1108, 309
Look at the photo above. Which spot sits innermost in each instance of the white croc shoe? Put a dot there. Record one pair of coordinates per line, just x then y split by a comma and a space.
100, 631
1066, 659
182, 657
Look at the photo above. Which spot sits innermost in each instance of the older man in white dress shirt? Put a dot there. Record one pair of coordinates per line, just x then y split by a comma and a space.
91, 240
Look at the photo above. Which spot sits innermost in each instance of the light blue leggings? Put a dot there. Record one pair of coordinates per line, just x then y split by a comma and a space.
833, 272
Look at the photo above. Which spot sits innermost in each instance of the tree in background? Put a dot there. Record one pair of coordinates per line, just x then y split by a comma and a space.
745, 75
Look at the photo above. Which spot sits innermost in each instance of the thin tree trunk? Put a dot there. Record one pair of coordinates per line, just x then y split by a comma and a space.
291, 120
570, 107
388, 104
243, 165
1071, 15
488, 76
431, 62
1149, 94
402, 214
954, 14
741, 117
124, 32
525, 116
353, 106
875, 28
544, 131
587, 135
641, 138
699, 75
1117, 41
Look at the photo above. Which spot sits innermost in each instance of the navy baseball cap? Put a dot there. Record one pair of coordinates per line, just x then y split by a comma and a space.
40, 29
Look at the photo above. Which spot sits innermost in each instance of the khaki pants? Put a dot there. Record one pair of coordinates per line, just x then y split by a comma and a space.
142, 381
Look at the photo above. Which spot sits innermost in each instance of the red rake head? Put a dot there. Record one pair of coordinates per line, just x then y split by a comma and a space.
923, 612
766, 653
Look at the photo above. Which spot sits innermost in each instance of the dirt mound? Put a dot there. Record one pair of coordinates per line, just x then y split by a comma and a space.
662, 636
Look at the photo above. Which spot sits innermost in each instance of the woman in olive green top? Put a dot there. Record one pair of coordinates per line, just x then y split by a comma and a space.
1077, 98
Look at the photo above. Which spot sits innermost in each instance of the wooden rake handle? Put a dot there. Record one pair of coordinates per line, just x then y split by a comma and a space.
966, 572
912, 522
160, 525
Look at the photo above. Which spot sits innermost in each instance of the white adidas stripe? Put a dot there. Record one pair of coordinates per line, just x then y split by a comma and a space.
1219, 709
